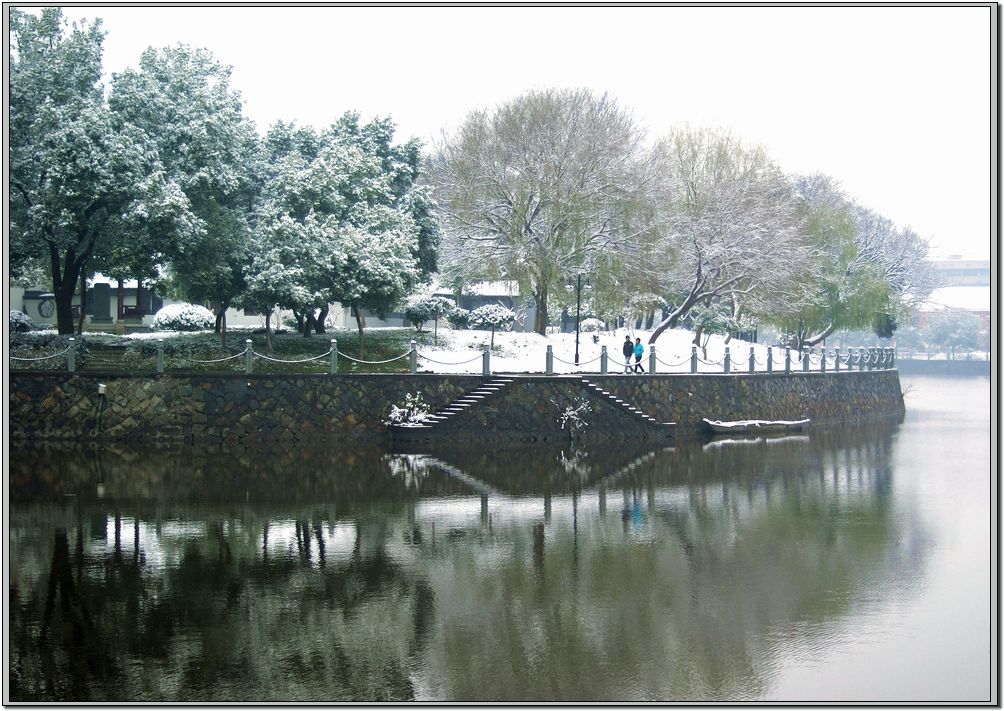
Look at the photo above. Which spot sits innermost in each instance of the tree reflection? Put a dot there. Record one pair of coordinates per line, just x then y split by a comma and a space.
608, 575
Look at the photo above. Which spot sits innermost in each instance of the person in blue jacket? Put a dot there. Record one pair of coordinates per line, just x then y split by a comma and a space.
639, 351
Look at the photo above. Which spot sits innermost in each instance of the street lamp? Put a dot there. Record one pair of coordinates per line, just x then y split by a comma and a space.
578, 308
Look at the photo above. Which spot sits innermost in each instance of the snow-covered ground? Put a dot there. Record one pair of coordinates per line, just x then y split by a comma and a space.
527, 352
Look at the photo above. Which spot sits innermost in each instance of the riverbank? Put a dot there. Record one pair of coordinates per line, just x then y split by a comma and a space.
236, 408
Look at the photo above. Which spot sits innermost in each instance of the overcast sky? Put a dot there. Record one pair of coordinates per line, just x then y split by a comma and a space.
895, 103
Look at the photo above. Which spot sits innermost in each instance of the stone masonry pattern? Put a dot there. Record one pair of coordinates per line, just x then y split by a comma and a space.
228, 409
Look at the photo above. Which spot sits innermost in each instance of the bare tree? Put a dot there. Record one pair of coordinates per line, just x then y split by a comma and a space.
730, 228
540, 189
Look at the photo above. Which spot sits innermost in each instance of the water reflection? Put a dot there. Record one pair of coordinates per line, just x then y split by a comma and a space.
364, 574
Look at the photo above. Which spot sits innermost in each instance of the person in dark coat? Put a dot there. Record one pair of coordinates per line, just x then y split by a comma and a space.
628, 350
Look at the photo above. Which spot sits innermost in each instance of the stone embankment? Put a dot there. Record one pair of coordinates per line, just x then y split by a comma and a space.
232, 409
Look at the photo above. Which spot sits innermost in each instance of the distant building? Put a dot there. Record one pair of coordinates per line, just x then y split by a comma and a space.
956, 271
112, 306
964, 286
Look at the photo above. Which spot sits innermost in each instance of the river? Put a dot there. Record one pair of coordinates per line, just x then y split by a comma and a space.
850, 565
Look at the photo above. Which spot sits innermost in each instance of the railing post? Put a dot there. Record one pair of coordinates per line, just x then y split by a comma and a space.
550, 360
822, 360
71, 355
485, 362
861, 359
752, 360
247, 356
414, 357
836, 359
892, 358
806, 352
728, 360
333, 361
651, 360
872, 357
603, 360
160, 355
693, 359
787, 361
770, 359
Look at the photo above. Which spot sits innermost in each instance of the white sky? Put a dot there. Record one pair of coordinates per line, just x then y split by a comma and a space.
895, 103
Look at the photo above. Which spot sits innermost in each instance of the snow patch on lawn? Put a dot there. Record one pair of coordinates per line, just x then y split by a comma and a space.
526, 352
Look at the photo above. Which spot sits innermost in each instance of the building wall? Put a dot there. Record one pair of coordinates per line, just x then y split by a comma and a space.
231, 408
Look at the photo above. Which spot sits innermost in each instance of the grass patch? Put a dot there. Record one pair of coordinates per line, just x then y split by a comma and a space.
189, 352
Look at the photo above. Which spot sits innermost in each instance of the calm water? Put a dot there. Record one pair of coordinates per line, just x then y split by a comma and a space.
849, 565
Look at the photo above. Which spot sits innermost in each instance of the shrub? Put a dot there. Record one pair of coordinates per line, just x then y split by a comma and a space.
20, 322
184, 317
459, 318
34, 344
414, 410
493, 317
423, 309
590, 324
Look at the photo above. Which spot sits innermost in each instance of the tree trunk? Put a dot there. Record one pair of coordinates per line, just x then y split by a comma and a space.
218, 311
268, 331
221, 322
540, 318
679, 312
299, 320
83, 301
360, 324
322, 316
307, 324
64, 294
819, 337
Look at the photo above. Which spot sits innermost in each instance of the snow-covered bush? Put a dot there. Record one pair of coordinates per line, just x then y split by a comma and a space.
20, 322
426, 308
590, 324
573, 416
459, 318
184, 317
414, 410
493, 317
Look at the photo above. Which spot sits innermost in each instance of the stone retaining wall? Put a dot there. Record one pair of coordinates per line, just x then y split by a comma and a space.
229, 408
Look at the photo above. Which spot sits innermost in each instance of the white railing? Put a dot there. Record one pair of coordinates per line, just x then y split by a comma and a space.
808, 360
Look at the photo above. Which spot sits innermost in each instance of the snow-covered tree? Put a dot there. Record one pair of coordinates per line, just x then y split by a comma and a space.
863, 272
729, 230
953, 329
546, 185
492, 317
337, 207
181, 97
270, 281
86, 186
423, 307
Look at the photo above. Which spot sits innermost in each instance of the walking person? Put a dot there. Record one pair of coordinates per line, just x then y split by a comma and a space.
639, 351
628, 350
